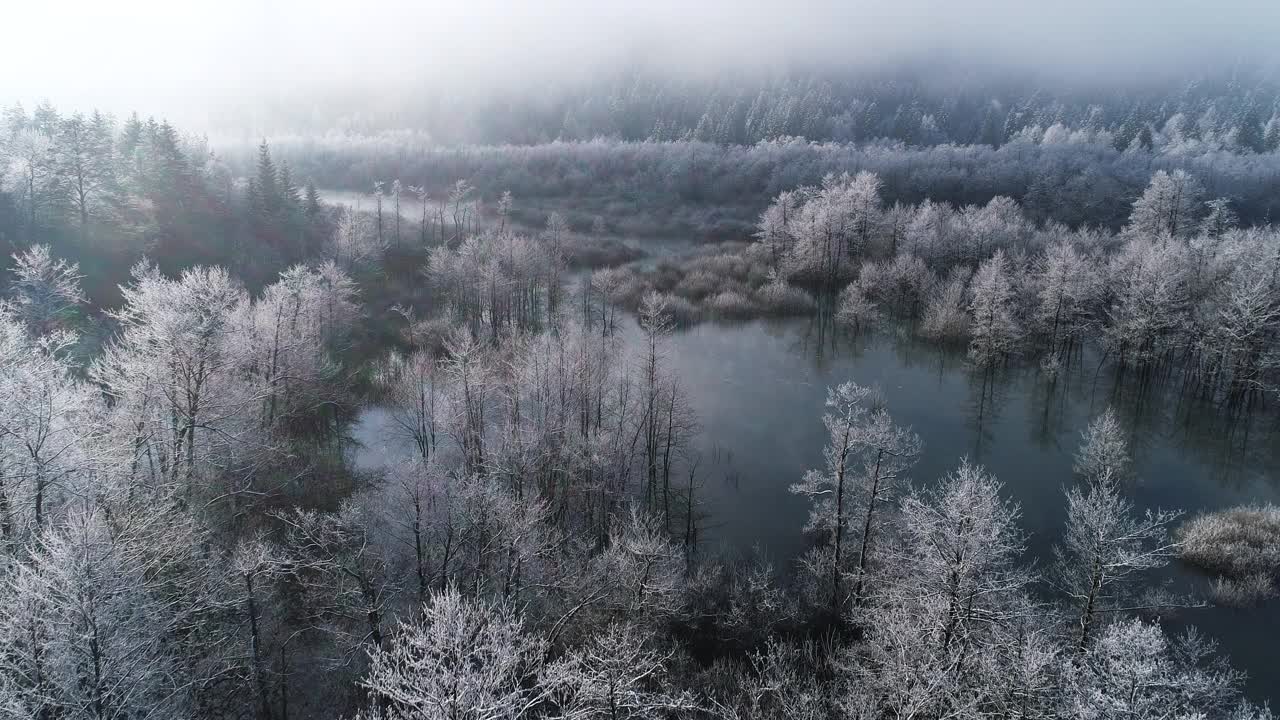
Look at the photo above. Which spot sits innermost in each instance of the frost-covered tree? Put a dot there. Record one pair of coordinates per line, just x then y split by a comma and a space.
1237, 322
469, 377
1105, 550
100, 620
865, 207
283, 340
655, 320
1150, 296
45, 290
993, 328
1067, 290
618, 674
254, 566
179, 405
930, 233
855, 309
416, 397
353, 242
867, 456
1103, 450
953, 632
773, 230
1169, 206
885, 452
1220, 219
344, 575
31, 155
505, 205
47, 425
1135, 671
829, 489
833, 226
86, 162
963, 540
946, 314
463, 659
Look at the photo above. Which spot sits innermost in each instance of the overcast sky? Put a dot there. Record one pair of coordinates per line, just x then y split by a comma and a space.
184, 56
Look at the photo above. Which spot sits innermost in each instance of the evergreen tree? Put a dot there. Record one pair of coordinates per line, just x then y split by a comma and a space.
312, 207
1249, 133
1271, 136
268, 189
290, 200
1144, 140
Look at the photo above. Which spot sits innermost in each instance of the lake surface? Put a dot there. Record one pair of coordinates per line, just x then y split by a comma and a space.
759, 390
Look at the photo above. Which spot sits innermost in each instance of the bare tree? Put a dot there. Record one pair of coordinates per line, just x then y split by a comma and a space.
462, 660
616, 675
1135, 671
45, 290
1103, 450
1105, 552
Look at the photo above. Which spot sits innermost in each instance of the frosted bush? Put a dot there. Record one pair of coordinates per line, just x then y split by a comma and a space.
731, 304
1242, 544
779, 298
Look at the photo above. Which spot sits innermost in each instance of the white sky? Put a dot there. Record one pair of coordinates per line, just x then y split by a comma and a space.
175, 55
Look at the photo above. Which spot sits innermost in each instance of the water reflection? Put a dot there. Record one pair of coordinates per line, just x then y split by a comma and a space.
758, 389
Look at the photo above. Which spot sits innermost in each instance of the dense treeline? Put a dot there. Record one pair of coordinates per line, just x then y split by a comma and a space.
1180, 286
926, 105
699, 190
106, 193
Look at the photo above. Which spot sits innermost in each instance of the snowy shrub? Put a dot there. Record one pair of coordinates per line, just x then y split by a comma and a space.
1243, 592
779, 298
682, 312
731, 304
1238, 542
698, 284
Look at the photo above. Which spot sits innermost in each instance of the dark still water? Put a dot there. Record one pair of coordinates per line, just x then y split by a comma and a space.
759, 390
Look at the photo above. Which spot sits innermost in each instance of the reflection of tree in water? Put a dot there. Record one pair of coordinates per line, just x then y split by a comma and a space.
912, 351
988, 393
721, 465
1232, 439
1048, 396
821, 335
1055, 386
1143, 412
1235, 442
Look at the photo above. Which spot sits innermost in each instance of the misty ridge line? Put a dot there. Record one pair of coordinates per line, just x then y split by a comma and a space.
964, 102
239, 56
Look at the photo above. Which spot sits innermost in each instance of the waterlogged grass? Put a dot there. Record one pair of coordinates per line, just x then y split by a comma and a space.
1242, 546
1243, 592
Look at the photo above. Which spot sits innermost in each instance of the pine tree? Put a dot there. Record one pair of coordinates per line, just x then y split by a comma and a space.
268, 188
1144, 139
1271, 136
290, 201
1249, 133
312, 204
